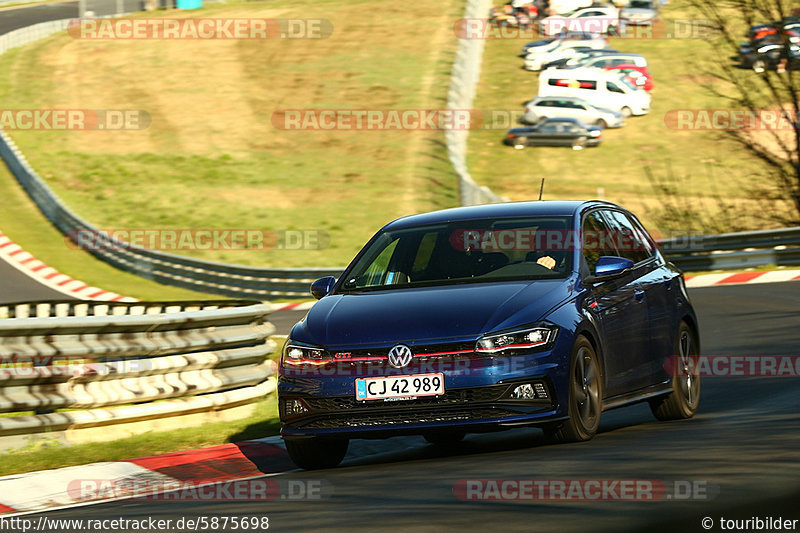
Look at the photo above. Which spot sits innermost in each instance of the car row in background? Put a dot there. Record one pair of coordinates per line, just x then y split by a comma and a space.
772, 46
584, 82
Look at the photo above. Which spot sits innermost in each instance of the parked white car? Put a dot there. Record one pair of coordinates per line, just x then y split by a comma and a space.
562, 7
591, 19
600, 88
544, 107
539, 55
611, 60
537, 61
592, 40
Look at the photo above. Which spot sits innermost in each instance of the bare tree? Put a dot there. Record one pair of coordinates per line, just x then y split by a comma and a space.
777, 148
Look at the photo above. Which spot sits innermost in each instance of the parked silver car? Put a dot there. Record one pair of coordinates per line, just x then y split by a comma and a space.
545, 107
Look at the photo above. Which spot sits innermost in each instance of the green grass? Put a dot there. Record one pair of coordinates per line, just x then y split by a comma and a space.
24, 224
211, 157
713, 163
47, 455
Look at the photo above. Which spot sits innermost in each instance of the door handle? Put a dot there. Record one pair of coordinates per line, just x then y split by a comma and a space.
638, 294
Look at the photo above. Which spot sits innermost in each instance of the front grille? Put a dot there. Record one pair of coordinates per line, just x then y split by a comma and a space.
451, 397
404, 417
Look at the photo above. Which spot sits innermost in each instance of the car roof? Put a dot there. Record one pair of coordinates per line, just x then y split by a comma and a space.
569, 98
629, 54
501, 210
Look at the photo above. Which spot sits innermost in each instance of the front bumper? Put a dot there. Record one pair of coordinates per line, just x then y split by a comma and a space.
473, 409
477, 396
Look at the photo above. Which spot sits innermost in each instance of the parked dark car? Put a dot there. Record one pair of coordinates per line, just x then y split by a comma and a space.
768, 56
487, 318
555, 132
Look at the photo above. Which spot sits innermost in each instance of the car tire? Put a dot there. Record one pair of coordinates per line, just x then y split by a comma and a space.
759, 66
520, 143
584, 381
444, 437
316, 452
626, 112
682, 402
602, 123
579, 143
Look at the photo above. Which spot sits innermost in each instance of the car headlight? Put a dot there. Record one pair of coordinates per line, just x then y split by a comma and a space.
536, 338
294, 351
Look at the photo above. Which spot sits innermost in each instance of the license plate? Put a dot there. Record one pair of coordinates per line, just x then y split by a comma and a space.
399, 387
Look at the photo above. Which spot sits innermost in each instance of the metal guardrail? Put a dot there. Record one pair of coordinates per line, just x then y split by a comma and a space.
170, 269
735, 250
97, 358
463, 83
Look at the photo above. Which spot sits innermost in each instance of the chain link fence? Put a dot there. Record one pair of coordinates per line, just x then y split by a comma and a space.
463, 84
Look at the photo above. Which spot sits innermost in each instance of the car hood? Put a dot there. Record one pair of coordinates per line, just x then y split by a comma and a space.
427, 314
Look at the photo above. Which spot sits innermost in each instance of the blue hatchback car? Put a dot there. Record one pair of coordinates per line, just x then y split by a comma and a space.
485, 318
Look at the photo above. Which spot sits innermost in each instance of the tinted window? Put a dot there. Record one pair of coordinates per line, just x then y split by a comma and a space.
626, 239
462, 252
594, 241
613, 87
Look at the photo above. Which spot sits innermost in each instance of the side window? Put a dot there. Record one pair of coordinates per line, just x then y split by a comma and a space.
545, 103
628, 242
374, 274
594, 241
613, 87
647, 241
560, 103
549, 128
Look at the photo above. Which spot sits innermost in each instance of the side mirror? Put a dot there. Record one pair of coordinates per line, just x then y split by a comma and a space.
322, 286
609, 267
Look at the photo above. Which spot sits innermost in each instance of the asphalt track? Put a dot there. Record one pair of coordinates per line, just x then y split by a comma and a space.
18, 17
744, 445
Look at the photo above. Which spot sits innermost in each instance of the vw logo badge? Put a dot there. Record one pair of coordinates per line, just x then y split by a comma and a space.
400, 356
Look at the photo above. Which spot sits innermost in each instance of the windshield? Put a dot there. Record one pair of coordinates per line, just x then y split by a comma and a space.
641, 4
464, 252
